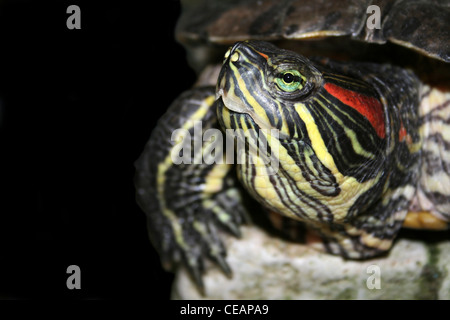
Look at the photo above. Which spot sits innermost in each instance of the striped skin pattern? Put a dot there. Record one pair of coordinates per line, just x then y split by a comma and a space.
187, 204
434, 186
349, 147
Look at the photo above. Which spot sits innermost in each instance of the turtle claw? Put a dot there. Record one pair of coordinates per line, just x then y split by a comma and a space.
196, 273
225, 267
196, 268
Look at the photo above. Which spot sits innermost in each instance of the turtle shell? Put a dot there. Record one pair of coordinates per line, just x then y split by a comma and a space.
423, 26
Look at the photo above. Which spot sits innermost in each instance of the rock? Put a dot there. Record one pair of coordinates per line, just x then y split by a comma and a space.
267, 267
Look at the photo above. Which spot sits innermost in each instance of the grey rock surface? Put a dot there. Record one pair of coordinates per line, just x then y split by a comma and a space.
267, 267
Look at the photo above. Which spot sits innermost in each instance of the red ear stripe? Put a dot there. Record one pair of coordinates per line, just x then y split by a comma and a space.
369, 107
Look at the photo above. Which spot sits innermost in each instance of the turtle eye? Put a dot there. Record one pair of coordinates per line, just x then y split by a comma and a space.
290, 80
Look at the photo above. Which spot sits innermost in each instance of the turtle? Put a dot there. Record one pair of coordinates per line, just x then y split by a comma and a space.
344, 128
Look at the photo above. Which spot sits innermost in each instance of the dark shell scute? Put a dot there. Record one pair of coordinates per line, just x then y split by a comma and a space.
424, 26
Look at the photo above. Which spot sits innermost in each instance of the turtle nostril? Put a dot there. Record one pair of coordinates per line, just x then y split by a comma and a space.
234, 57
232, 53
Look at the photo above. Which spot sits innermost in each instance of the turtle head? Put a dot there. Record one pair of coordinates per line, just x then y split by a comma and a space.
262, 81
331, 142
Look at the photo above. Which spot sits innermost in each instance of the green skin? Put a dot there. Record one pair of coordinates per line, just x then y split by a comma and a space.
184, 213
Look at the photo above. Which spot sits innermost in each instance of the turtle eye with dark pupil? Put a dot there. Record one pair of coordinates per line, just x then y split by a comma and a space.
288, 77
290, 80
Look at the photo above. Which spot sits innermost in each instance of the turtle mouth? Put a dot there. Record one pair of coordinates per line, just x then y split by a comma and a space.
231, 82
236, 105
231, 101
226, 85
235, 102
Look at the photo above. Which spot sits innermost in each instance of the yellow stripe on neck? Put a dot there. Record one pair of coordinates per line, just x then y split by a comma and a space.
317, 142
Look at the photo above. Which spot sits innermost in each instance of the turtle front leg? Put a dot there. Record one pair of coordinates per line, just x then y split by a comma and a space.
186, 200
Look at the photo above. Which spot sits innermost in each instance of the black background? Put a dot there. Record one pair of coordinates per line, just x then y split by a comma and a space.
77, 107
